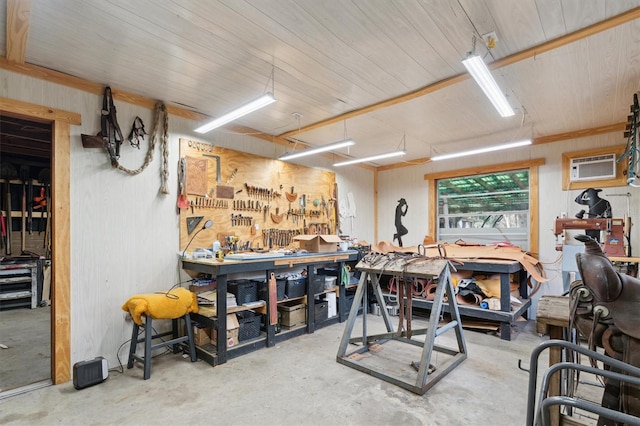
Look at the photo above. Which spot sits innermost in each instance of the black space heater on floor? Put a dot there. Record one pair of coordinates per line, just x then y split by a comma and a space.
89, 373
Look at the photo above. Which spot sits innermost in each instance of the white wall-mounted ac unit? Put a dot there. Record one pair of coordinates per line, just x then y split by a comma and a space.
596, 167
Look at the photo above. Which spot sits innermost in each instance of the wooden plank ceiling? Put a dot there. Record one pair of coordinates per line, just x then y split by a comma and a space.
380, 72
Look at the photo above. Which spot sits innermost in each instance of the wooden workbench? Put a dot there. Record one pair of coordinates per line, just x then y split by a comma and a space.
265, 265
507, 316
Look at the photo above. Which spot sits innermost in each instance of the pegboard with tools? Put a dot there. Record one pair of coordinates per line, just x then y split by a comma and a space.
255, 202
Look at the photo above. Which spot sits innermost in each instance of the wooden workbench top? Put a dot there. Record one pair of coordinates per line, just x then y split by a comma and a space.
552, 311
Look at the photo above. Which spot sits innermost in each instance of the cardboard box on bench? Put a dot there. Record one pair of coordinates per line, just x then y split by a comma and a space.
232, 331
318, 243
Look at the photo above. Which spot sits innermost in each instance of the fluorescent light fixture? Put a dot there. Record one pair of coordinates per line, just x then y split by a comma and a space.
261, 102
480, 73
482, 150
372, 158
324, 148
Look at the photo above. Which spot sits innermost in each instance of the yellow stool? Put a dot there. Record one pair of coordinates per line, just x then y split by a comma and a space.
173, 305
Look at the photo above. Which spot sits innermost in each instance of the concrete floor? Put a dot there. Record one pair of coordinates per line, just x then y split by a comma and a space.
297, 382
26, 333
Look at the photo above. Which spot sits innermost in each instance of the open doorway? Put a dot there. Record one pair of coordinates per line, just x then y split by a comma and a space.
25, 253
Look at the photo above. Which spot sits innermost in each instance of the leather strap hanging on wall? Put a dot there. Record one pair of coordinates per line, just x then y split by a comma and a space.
110, 136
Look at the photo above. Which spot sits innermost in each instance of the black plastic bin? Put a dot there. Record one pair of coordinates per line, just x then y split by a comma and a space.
321, 310
263, 290
246, 291
317, 284
249, 325
296, 287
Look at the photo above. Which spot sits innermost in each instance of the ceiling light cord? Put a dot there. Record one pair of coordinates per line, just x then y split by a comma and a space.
403, 143
271, 80
397, 153
297, 116
317, 150
346, 137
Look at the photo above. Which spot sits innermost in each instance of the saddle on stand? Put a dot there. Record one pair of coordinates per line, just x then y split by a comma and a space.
604, 310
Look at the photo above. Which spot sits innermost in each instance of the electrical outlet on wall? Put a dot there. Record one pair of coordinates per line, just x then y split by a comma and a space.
490, 39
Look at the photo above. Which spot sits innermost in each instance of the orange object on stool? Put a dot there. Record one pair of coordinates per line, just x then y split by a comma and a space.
174, 304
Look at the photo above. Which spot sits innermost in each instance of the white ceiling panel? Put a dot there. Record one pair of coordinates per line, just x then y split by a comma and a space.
359, 58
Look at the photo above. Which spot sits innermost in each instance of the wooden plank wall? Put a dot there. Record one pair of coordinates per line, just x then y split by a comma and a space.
255, 211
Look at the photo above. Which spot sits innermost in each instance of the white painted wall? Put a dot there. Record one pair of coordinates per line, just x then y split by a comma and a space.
124, 234
409, 183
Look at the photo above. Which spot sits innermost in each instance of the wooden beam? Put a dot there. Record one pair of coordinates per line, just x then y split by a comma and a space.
95, 88
78, 83
382, 104
416, 162
576, 134
60, 254
612, 22
376, 185
534, 208
578, 35
18, 12
131, 98
485, 169
12, 106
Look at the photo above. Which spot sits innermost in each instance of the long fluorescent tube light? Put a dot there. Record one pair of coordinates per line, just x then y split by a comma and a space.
324, 148
480, 73
482, 150
372, 158
261, 102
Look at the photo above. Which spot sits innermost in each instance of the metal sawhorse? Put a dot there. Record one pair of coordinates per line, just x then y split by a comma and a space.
408, 267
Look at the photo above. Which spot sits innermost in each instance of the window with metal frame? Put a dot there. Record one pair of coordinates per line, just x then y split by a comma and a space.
485, 208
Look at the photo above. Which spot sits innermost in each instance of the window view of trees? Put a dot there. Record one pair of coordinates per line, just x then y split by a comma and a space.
485, 208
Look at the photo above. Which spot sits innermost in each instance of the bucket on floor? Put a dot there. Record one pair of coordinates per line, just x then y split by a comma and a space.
375, 309
393, 309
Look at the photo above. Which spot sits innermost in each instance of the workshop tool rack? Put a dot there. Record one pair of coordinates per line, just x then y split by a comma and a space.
267, 265
408, 267
19, 284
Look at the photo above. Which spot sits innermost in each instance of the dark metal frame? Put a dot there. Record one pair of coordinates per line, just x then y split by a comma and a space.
545, 402
221, 354
424, 380
149, 347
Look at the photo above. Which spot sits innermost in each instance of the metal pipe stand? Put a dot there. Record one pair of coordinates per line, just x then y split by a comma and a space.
413, 268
